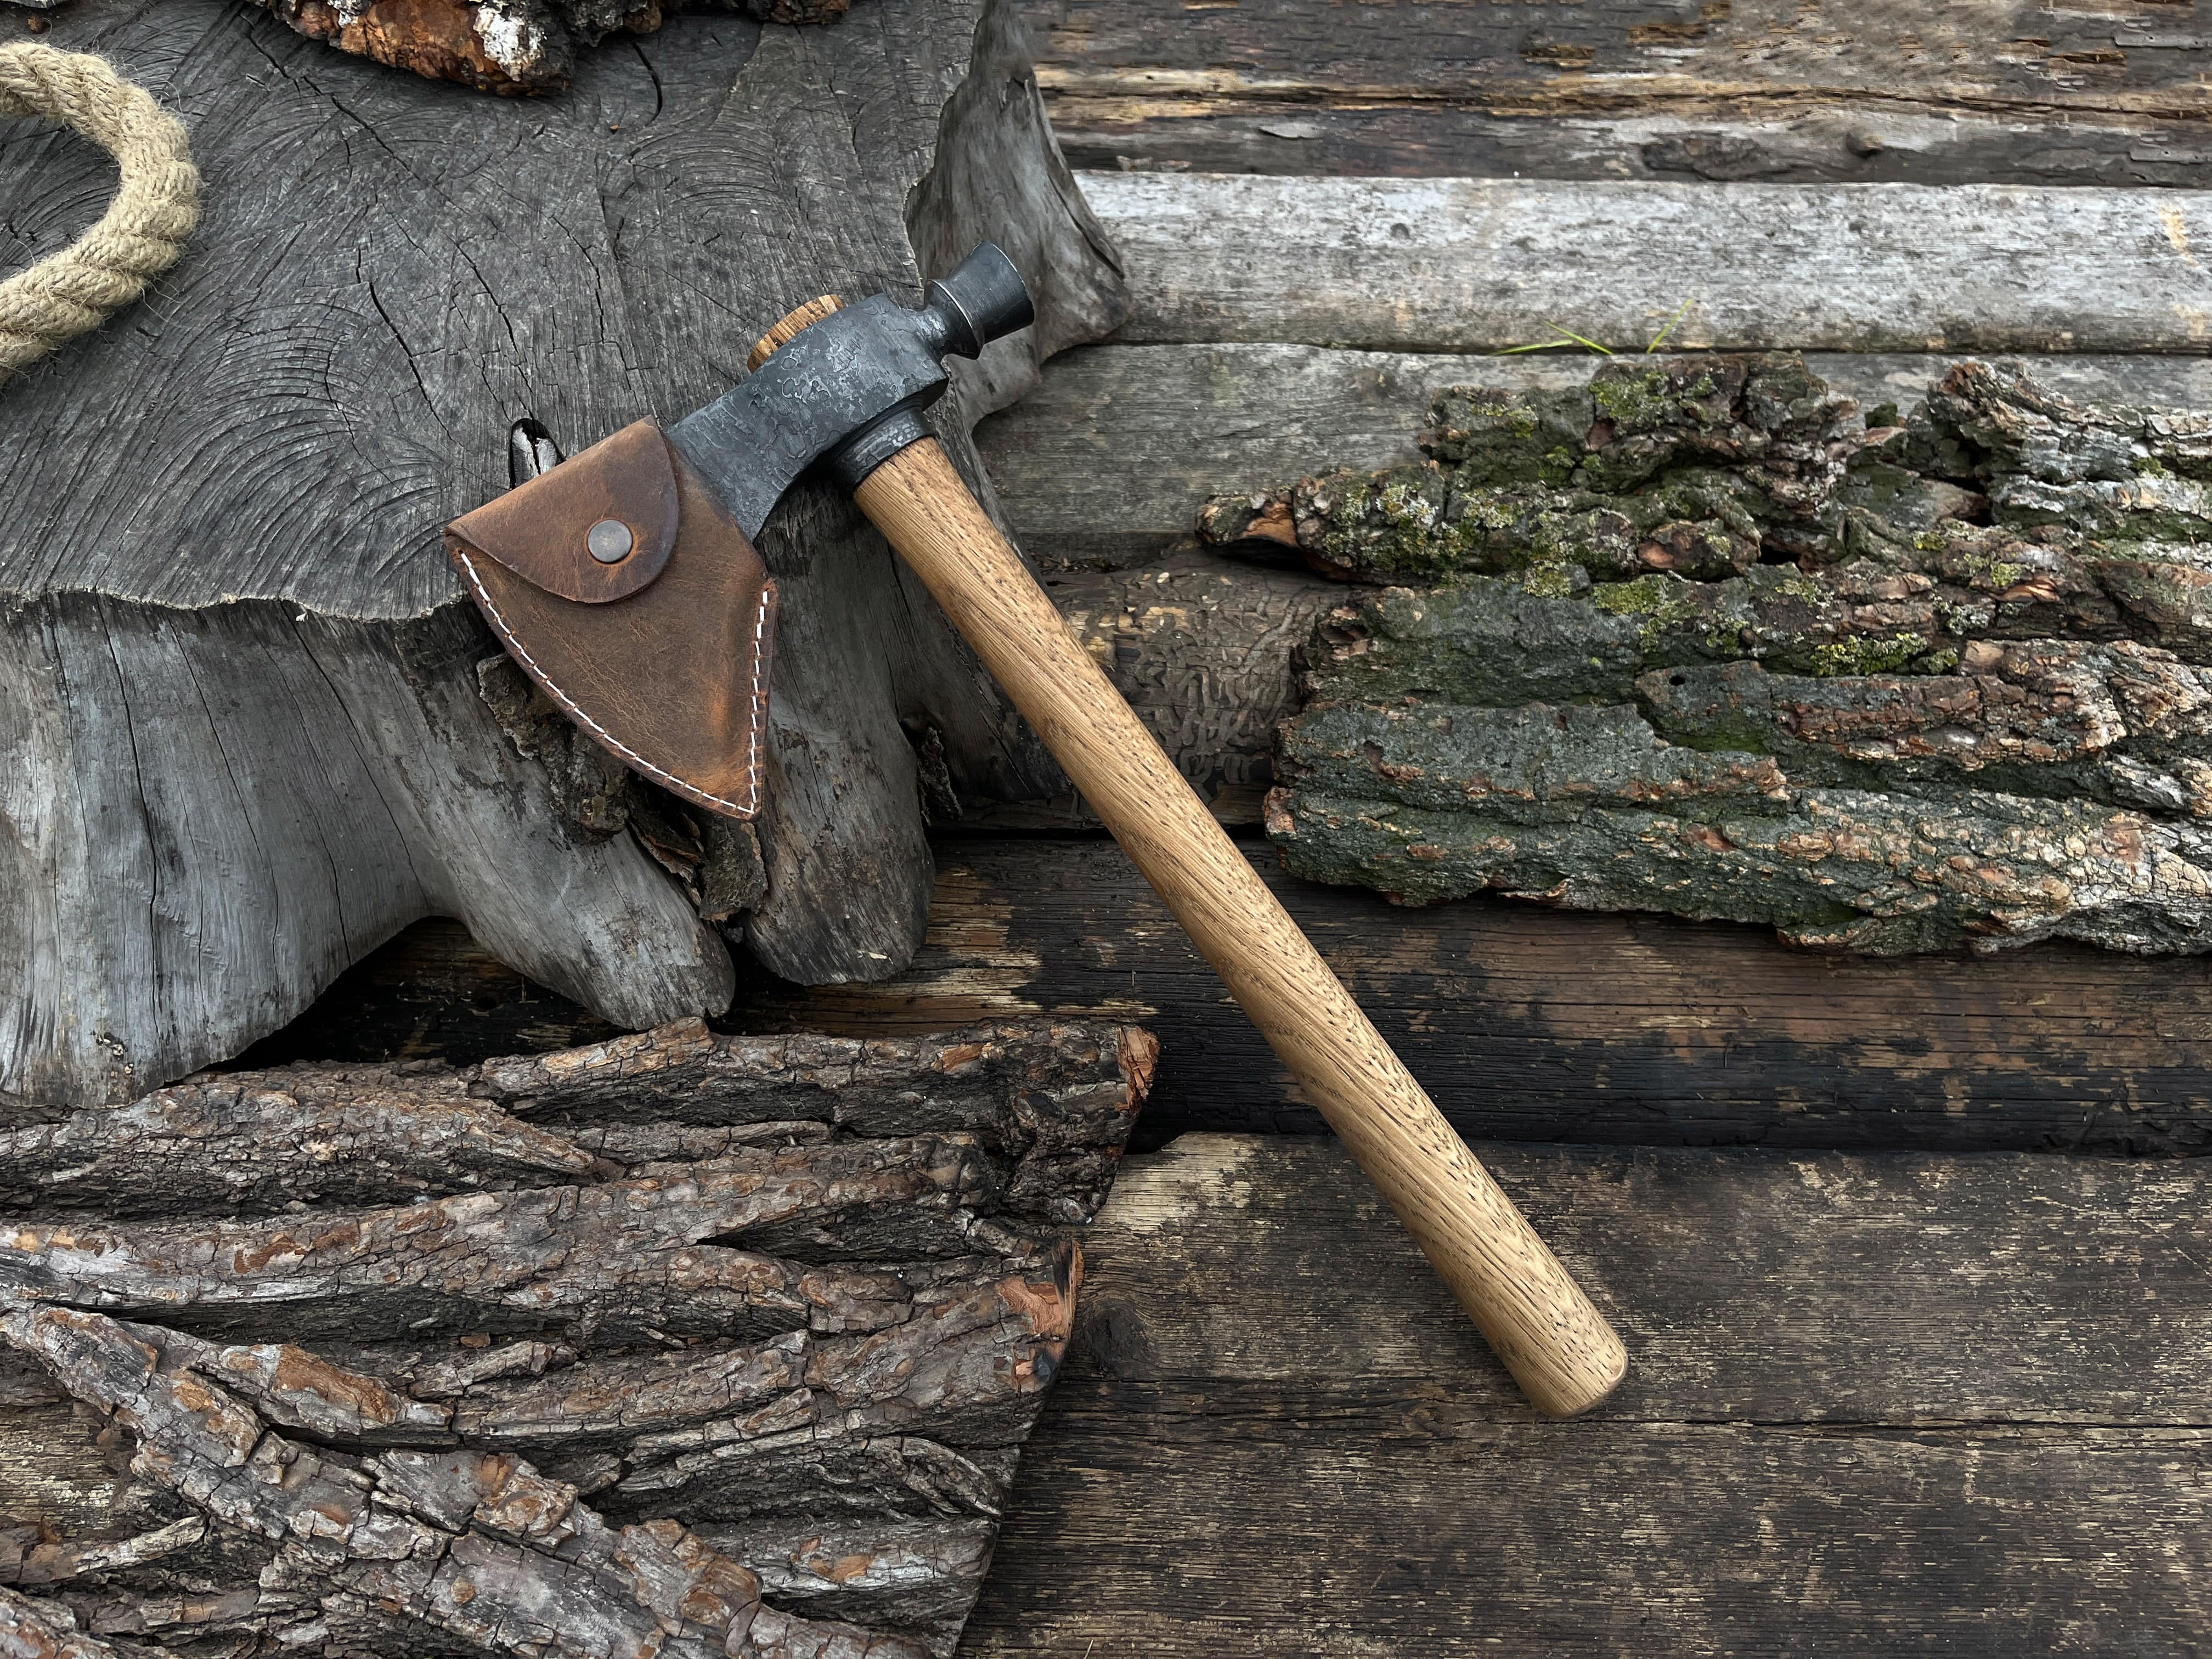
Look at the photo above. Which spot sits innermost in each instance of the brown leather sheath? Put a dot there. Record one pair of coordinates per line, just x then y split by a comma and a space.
620, 585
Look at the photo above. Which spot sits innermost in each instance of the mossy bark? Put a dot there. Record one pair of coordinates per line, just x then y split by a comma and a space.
1698, 642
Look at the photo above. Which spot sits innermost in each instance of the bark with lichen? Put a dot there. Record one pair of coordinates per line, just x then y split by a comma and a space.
1690, 639
681, 1344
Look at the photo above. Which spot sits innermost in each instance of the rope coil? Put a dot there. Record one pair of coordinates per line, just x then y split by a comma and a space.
145, 228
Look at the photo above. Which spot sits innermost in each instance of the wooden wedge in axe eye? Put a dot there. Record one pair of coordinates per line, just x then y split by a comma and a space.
638, 552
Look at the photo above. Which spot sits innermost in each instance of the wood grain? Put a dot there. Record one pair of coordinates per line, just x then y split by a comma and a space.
1895, 1401
1539, 1323
1459, 265
1999, 91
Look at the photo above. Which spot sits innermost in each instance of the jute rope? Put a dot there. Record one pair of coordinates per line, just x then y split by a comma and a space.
145, 227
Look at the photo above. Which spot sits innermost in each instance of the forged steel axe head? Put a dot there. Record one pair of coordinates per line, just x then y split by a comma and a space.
849, 389
624, 581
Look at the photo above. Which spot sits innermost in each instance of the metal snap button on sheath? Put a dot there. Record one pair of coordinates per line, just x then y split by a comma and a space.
610, 541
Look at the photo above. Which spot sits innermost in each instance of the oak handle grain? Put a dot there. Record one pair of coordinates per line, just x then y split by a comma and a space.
1555, 1344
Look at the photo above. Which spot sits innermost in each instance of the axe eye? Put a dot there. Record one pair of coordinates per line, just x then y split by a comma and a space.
610, 541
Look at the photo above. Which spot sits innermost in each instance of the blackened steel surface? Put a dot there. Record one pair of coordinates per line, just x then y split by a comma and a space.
842, 375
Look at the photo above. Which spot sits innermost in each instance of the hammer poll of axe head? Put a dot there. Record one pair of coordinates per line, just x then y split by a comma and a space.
639, 548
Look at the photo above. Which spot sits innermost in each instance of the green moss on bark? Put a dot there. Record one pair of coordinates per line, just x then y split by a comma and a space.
1941, 690
1694, 466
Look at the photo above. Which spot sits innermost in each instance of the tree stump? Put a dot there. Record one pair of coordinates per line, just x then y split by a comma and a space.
246, 739
679, 1344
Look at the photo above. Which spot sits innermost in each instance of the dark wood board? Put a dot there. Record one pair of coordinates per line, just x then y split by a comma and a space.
1876, 1404
1107, 461
1526, 1023
1879, 91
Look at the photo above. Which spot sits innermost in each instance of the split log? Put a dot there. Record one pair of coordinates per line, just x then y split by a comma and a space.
680, 1343
1896, 1402
246, 741
1870, 91
1967, 710
1202, 650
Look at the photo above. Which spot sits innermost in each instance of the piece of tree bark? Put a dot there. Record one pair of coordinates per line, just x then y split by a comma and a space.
1968, 708
679, 1344
246, 738
1199, 642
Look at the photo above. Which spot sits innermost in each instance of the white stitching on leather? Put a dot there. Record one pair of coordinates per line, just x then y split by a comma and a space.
758, 701
691, 790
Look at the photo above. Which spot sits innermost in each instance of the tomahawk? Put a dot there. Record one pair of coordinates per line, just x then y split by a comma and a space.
585, 565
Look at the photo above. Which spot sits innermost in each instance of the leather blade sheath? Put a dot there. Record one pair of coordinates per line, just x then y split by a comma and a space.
619, 584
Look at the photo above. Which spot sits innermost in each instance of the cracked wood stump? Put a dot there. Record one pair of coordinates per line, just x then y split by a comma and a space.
246, 739
1702, 646
681, 1344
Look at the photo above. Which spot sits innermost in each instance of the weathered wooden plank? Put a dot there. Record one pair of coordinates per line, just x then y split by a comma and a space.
1525, 1022
1107, 461
1757, 1287
1819, 136
1891, 1401
2001, 91
677, 1299
1466, 265
1526, 1025
1303, 1529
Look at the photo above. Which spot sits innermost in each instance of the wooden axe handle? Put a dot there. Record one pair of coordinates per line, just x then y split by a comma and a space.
1554, 1342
